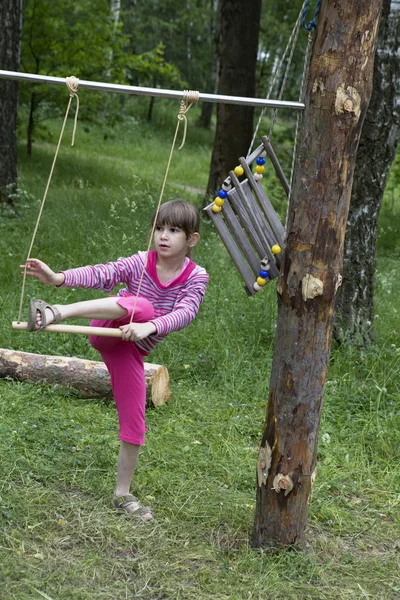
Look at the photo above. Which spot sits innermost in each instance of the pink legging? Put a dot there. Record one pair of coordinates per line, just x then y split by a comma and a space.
124, 361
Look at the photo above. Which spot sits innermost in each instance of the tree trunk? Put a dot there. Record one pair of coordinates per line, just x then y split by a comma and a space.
31, 124
90, 378
115, 10
207, 108
380, 134
238, 43
150, 109
338, 92
10, 48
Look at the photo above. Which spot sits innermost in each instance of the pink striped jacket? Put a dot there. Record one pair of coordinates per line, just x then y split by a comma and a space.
175, 304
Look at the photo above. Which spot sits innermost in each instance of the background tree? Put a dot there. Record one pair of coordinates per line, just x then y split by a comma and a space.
184, 32
10, 45
355, 304
211, 83
337, 97
59, 39
277, 20
238, 46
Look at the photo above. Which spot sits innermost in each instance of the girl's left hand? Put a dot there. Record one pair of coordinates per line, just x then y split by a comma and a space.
134, 332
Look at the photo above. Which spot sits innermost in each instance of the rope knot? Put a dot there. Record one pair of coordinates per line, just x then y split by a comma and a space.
72, 84
313, 23
190, 97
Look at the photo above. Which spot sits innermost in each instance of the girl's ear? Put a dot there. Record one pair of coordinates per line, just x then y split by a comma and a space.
193, 239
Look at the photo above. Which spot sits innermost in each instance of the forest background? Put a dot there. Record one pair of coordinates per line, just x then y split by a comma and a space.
59, 540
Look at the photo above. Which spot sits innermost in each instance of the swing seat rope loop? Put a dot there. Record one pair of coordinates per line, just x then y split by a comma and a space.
190, 97
72, 84
313, 23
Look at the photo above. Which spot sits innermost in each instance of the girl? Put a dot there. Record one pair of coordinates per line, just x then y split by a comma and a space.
171, 291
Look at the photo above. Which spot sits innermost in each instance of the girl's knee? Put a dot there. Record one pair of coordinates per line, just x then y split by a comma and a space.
101, 343
143, 309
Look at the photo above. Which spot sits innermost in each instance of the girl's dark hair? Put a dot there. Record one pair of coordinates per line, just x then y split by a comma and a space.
178, 213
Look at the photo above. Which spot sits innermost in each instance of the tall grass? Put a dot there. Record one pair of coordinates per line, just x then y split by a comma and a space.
59, 537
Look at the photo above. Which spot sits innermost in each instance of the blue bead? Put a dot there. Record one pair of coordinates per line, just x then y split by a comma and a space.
222, 194
264, 274
260, 160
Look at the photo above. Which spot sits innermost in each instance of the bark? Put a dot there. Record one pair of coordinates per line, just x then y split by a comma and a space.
238, 44
31, 124
337, 97
10, 48
115, 10
380, 134
207, 108
90, 378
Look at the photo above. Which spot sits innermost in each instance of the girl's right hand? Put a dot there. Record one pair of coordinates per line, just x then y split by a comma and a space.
42, 272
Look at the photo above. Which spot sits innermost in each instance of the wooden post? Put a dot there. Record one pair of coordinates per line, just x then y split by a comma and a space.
338, 93
89, 377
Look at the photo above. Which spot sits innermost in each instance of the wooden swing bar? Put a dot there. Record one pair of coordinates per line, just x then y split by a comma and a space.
155, 92
80, 329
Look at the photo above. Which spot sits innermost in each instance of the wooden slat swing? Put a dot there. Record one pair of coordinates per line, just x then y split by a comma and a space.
242, 213
247, 222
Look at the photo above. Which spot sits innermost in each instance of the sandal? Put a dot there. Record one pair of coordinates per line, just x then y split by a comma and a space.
41, 305
131, 505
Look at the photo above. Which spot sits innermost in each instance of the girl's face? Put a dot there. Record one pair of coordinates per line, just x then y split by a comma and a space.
171, 241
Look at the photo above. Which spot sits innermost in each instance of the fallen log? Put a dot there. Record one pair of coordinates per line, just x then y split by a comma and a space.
89, 377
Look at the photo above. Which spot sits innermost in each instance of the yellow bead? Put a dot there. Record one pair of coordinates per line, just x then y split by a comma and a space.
276, 249
261, 281
239, 170
260, 169
216, 209
219, 201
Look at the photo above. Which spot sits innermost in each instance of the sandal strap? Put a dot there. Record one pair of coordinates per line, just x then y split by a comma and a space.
131, 504
41, 306
56, 313
119, 500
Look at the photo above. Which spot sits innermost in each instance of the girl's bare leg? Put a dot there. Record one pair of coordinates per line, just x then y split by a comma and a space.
101, 308
127, 460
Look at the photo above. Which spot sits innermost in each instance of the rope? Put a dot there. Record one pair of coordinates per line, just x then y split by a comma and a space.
189, 98
286, 74
72, 85
313, 23
290, 46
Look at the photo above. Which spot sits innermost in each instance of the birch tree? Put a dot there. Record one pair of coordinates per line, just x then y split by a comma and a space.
354, 320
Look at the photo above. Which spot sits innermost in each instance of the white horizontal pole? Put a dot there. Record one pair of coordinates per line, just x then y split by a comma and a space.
157, 93
82, 329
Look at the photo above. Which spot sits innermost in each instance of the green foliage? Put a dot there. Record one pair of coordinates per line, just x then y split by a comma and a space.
62, 38
151, 69
59, 536
184, 30
277, 22
69, 38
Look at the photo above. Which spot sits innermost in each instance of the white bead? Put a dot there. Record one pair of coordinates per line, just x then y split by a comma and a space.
256, 286
265, 266
227, 184
263, 154
258, 176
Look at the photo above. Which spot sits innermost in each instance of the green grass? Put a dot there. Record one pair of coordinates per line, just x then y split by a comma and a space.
59, 537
